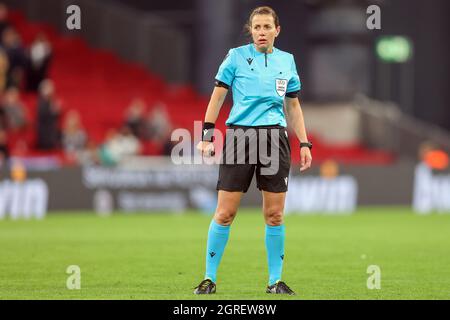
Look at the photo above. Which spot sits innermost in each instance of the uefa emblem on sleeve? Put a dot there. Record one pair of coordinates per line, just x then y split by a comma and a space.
281, 86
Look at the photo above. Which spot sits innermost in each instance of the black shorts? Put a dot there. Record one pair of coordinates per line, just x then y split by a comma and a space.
267, 151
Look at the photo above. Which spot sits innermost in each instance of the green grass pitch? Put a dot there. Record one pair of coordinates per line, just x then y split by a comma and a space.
160, 256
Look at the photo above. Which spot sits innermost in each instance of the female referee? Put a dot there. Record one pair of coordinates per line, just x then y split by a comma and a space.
262, 78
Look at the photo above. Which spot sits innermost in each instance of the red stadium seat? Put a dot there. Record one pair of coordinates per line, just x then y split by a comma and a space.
100, 86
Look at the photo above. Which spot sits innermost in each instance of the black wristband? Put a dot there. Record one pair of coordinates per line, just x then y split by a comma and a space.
293, 94
219, 83
208, 131
306, 144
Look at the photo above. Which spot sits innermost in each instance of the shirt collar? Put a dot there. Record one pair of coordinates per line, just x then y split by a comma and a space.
256, 52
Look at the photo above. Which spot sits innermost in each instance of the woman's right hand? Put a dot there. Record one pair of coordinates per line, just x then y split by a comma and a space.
206, 148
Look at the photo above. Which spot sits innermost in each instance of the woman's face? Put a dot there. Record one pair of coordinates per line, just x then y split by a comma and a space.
264, 31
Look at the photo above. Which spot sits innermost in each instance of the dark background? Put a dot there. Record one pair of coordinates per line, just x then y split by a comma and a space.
305, 34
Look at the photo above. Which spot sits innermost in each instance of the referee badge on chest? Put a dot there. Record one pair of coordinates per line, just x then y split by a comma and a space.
281, 86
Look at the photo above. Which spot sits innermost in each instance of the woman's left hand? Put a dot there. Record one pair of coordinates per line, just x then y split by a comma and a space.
305, 158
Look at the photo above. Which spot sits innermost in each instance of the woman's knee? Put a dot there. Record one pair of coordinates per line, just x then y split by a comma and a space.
273, 216
224, 216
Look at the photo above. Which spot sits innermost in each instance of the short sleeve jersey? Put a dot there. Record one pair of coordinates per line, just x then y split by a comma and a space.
259, 83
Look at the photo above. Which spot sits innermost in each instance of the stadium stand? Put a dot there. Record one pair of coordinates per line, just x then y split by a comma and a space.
100, 86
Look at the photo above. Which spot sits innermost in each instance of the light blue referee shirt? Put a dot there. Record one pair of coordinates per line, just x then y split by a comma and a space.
259, 82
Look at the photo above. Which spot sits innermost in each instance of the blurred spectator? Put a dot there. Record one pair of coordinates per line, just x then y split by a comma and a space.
20, 148
14, 110
39, 57
134, 118
4, 66
4, 151
48, 134
90, 154
73, 135
168, 145
4, 23
16, 55
158, 123
105, 153
434, 157
119, 145
329, 169
3, 119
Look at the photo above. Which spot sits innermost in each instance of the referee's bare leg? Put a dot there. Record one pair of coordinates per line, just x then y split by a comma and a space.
273, 207
227, 206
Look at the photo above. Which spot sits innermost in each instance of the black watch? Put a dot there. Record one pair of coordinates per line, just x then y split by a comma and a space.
306, 144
